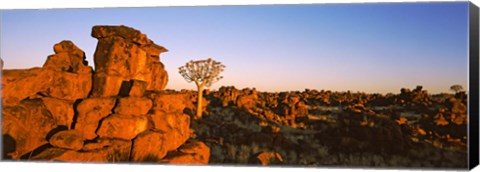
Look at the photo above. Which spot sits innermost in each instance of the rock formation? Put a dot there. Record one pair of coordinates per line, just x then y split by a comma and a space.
124, 54
120, 112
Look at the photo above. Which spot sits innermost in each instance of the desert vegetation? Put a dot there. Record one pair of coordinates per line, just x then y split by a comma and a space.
324, 128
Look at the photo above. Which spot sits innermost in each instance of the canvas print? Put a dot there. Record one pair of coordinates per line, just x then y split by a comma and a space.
315, 85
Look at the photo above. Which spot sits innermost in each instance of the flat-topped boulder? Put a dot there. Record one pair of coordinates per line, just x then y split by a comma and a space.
124, 54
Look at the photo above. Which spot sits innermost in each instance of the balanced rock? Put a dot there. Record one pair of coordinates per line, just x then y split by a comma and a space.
125, 54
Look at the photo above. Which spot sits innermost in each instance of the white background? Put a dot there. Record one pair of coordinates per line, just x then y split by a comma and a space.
73, 167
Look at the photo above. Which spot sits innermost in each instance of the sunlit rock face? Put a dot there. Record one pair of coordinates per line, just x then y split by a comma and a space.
125, 54
65, 75
66, 111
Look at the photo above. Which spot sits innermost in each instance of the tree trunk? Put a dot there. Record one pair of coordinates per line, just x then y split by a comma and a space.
199, 102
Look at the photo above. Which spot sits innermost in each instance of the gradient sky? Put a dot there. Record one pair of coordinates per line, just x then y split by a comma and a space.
373, 48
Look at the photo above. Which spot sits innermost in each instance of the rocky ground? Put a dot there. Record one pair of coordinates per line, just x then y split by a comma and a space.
120, 112
322, 128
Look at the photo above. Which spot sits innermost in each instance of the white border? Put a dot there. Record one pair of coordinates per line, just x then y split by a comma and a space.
49, 4
73, 167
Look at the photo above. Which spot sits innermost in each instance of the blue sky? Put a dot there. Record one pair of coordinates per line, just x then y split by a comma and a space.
358, 47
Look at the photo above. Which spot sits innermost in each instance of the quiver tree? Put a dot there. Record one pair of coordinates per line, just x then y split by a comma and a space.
456, 88
203, 73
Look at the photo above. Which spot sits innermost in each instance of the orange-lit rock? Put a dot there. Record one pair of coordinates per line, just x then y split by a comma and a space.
27, 123
69, 86
114, 151
15, 81
133, 88
170, 103
61, 85
125, 127
121, 31
67, 58
67, 46
61, 110
133, 106
67, 139
175, 125
159, 77
247, 102
269, 158
149, 146
125, 54
106, 85
193, 153
90, 112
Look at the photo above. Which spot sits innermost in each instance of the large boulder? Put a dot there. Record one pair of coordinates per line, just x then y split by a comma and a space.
27, 124
228, 95
15, 81
247, 102
61, 110
192, 152
133, 106
69, 86
149, 146
159, 77
67, 139
118, 126
67, 58
176, 127
170, 103
125, 54
90, 112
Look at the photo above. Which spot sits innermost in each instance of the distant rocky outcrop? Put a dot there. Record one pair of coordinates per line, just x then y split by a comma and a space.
65, 111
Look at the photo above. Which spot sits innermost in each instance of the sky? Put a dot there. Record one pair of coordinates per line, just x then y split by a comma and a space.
373, 48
